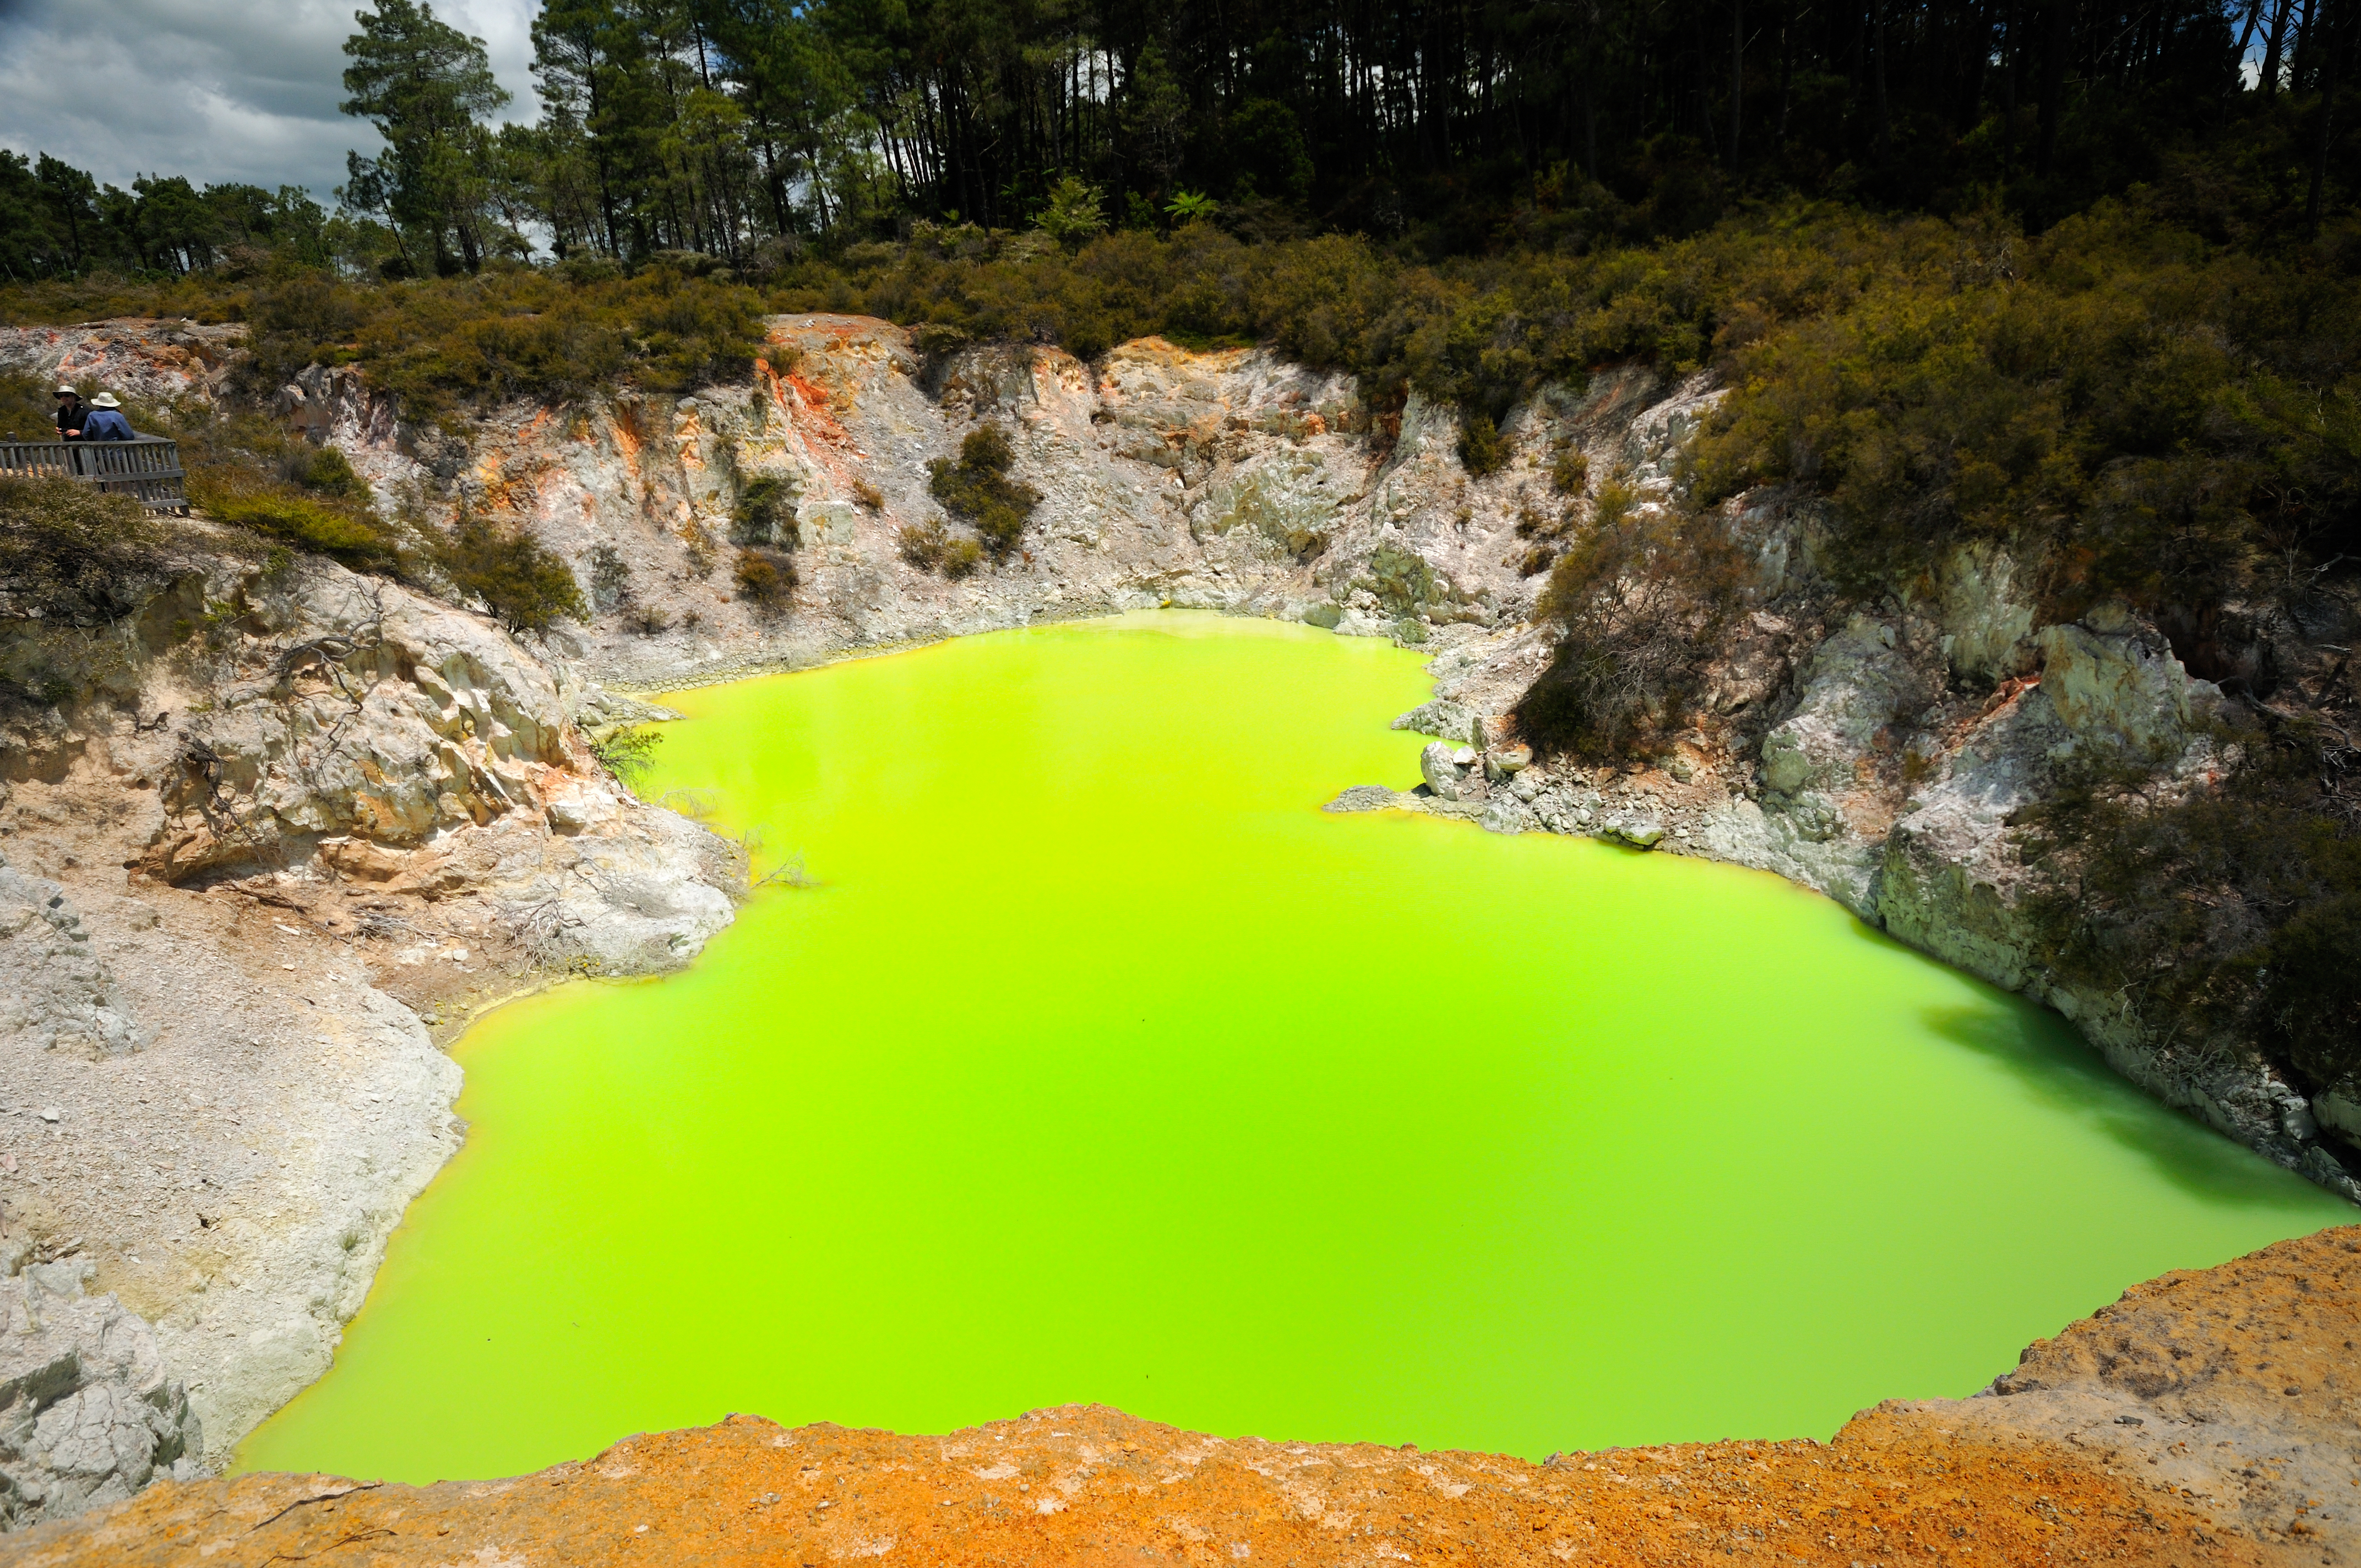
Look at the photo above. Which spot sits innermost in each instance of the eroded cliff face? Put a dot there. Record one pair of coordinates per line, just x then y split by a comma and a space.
1230, 481
355, 807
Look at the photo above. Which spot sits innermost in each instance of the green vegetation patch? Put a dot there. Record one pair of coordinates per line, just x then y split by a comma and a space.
524, 585
978, 491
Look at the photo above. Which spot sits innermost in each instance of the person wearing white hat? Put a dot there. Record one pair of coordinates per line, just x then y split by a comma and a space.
71, 411
104, 421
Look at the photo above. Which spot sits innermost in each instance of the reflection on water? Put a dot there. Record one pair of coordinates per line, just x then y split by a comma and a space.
2042, 1053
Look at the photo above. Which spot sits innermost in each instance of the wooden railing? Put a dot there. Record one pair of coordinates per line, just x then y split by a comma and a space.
146, 467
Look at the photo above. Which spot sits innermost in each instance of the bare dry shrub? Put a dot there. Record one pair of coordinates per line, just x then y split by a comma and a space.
1643, 599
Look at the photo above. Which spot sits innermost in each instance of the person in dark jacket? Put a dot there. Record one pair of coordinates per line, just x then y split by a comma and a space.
103, 422
71, 410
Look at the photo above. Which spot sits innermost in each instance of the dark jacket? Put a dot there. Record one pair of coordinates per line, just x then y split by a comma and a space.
71, 417
106, 424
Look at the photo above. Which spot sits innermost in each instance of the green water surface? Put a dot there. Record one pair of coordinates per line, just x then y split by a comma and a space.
1101, 1065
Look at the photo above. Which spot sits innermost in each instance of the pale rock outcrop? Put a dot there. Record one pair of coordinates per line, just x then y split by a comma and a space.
1986, 618
1884, 784
88, 1415
2117, 683
1229, 480
56, 991
1436, 766
393, 742
140, 360
328, 791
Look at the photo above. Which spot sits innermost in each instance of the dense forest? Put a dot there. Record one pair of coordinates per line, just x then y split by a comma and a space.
725, 127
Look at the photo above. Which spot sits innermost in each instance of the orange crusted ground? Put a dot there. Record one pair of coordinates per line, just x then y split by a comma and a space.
2200, 1421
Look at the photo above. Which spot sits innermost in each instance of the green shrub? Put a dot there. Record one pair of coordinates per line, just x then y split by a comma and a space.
1569, 471
1482, 449
249, 472
766, 513
438, 344
290, 518
978, 491
627, 751
328, 472
27, 411
525, 586
931, 547
2147, 415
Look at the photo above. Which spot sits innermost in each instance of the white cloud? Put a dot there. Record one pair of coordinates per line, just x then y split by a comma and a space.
241, 90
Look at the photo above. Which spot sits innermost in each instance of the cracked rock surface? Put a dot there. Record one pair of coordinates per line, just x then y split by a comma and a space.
87, 1414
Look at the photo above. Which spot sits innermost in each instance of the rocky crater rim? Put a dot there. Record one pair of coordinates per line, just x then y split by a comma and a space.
356, 815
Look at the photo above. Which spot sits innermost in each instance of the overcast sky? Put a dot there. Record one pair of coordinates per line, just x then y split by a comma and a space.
217, 90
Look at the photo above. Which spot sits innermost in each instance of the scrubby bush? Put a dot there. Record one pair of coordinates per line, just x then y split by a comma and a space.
1569, 471
525, 586
627, 751
243, 501
71, 553
1641, 599
868, 497
1482, 449
249, 472
766, 513
517, 332
766, 578
2150, 416
978, 491
931, 547
28, 411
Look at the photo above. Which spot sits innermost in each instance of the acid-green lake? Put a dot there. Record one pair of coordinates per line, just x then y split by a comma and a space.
1098, 1064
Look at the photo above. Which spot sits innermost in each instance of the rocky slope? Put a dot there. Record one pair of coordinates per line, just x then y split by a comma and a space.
288, 818
2206, 1418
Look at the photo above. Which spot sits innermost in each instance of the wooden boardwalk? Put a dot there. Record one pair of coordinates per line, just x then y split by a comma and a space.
147, 467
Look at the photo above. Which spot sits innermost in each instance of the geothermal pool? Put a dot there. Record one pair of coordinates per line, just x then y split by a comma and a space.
1099, 1065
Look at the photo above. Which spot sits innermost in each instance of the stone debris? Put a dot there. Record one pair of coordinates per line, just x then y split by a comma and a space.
56, 991
1440, 768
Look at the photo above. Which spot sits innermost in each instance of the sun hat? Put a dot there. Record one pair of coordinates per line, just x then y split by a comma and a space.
66, 387
104, 400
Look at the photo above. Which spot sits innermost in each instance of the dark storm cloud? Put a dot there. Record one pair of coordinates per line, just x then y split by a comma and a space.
226, 90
